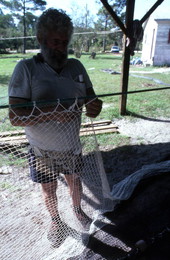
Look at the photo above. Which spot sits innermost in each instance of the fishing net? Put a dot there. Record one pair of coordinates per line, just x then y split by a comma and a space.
50, 144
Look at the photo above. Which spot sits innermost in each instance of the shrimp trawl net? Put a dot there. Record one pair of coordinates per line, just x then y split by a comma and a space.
53, 184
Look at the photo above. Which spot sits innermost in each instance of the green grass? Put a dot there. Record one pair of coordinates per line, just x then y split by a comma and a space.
12, 160
5, 186
149, 104
103, 140
114, 140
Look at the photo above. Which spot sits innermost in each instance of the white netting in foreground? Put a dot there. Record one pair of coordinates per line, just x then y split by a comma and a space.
65, 158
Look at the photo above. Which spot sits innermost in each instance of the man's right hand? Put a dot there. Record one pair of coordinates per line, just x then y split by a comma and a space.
94, 108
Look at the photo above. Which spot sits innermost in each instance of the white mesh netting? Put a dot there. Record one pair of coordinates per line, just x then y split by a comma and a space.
53, 185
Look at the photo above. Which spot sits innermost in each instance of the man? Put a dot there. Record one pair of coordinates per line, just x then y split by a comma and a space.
51, 76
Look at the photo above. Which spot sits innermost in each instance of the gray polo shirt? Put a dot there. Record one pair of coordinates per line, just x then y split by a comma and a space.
35, 80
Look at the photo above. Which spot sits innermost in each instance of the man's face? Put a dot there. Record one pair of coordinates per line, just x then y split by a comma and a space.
54, 49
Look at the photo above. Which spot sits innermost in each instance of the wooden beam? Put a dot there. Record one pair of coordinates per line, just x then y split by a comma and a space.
114, 16
146, 16
127, 30
130, 6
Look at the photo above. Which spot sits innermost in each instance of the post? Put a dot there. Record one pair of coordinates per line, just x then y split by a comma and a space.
24, 29
130, 6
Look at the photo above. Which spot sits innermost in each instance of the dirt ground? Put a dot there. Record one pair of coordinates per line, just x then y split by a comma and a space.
149, 144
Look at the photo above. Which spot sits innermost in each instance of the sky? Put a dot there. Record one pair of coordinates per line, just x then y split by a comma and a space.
141, 7
67, 5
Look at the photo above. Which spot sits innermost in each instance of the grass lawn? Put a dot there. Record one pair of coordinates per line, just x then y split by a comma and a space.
149, 104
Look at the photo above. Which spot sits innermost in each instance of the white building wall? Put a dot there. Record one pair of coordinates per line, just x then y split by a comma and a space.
149, 40
156, 49
162, 49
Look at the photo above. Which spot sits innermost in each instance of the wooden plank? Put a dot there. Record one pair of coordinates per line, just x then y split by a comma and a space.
11, 133
96, 123
14, 142
87, 129
22, 132
106, 131
98, 128
14, 138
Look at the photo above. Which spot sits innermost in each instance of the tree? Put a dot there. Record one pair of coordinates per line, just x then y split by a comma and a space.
81, 16
6, 22
117, 6
19, 8
105, 22
31, 21
7, 27
83, 22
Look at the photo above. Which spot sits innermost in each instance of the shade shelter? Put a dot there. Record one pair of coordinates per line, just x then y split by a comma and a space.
132, 33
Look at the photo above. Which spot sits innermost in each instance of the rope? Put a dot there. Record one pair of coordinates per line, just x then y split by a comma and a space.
30, 104
76, 33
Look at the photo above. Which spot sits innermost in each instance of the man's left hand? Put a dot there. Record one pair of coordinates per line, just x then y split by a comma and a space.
94, 108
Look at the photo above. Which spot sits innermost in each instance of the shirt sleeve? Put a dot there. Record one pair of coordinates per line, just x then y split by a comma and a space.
20, 83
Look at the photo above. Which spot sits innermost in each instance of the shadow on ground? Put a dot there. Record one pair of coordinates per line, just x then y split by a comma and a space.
147, 118
145, 216
125, 160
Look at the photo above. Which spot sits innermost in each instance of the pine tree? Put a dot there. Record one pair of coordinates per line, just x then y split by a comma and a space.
19, 8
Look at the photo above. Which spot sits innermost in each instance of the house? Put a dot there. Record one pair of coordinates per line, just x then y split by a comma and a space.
156, 42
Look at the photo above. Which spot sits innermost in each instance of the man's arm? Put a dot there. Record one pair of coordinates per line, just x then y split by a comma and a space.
27, 116
93, 108
17, 114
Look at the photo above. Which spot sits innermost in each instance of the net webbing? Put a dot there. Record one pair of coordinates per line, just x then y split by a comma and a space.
45, 152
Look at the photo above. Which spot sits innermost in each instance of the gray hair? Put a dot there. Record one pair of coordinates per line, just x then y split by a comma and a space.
54, 20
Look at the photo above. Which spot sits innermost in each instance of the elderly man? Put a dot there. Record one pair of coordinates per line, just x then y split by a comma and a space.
50, 75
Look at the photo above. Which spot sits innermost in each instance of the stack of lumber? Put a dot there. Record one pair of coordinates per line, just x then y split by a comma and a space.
98, 127
15, 138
